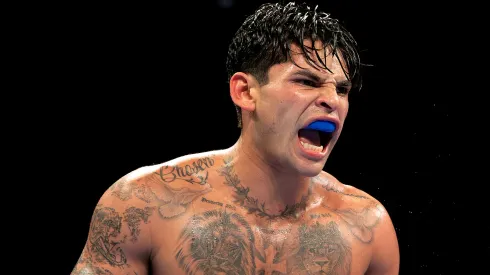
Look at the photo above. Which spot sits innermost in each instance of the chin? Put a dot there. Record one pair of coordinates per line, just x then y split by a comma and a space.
307, 166
309, 169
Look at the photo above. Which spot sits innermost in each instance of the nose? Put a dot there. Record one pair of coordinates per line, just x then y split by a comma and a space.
328, 98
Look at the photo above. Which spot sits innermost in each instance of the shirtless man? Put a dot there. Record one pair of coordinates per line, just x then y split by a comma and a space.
264, 205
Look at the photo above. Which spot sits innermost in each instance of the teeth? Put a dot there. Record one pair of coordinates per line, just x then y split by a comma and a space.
312, 147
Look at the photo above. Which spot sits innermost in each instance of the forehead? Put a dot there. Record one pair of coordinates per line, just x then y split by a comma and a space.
321, 55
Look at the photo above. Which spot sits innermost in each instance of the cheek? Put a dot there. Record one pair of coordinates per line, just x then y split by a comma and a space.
278, 109
287, 113
345, 106
343, 110
283, 108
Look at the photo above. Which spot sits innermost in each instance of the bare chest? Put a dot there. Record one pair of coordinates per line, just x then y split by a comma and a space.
226, 239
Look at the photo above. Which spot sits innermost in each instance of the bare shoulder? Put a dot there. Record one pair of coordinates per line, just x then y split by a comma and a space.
136, 205
170, 186
367, 219
361, 211
350, 194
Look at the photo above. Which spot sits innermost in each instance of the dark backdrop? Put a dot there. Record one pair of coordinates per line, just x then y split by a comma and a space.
136, 80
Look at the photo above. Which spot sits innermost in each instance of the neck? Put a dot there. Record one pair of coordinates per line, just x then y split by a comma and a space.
264, 188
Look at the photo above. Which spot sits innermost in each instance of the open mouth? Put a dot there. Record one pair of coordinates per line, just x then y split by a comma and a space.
314, 140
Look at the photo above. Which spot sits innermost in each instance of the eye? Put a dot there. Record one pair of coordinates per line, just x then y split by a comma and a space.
307, 82
343, 90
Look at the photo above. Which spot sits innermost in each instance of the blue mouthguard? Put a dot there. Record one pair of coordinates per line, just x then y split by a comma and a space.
324, 126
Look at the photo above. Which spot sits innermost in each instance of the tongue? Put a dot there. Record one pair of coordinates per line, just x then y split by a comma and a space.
309, 136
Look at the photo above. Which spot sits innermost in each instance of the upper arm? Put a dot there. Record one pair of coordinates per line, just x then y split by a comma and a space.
386, 255
118, 241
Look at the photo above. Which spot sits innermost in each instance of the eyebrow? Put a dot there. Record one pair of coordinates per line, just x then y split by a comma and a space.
344, 83
309, 74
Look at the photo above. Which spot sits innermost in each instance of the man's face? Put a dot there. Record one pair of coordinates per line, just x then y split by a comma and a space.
292, 99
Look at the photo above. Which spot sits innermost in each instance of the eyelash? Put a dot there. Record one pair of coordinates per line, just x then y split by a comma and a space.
312, 83
341, 90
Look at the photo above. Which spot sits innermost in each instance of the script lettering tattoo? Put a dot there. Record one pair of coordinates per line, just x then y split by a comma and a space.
361, 223
133, 217
189, 173
321, 215
320, 250
252, 204
330, 186
228, 206
216, 242
104, 237
211, 202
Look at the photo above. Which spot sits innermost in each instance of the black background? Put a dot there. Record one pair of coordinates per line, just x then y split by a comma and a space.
141, 84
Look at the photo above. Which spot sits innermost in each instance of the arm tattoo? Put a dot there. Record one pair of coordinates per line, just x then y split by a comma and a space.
104, 237
133, 217
103, 244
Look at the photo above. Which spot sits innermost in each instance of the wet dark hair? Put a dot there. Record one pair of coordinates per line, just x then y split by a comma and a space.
265, 37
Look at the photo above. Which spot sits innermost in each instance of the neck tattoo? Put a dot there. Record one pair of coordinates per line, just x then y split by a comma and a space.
252, 204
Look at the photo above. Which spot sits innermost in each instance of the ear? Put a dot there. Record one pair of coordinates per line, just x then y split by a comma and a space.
242, 90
